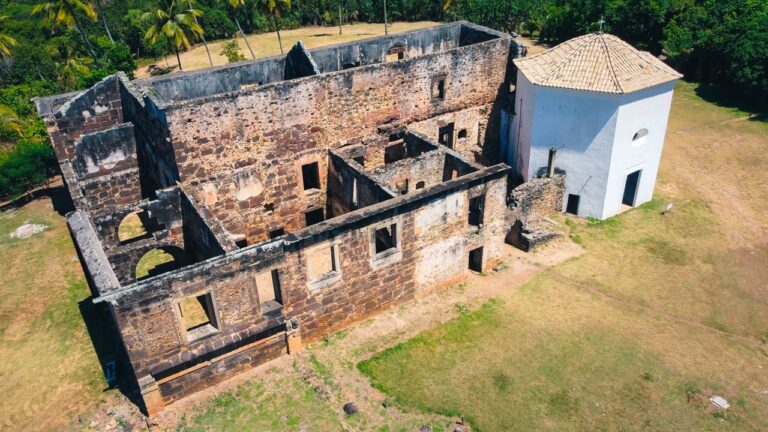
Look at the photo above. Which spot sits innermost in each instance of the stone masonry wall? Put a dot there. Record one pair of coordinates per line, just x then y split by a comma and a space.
271, 129
362, 284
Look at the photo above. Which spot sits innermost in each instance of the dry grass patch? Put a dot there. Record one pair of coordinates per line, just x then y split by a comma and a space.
49, 369
661, 313
265, 44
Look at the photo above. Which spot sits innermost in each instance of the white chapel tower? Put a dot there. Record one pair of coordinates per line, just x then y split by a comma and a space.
604, 106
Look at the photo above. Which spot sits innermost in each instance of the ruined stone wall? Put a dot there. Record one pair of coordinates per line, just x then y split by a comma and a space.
344, 176
404, 175
94, 110
362, 283
471, 134
538, 198
158, 344
445, 236
271, 128
154, 151
265, 195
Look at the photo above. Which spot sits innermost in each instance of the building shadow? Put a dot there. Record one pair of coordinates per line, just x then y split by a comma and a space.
109, 349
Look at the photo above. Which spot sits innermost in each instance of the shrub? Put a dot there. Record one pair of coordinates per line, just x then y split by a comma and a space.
29, 164
231, 51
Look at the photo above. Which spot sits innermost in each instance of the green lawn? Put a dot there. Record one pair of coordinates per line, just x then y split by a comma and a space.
49, 371
659, 314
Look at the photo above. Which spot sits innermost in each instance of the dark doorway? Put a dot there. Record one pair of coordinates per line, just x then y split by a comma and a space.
572, 206
630, 189
314, 216
476, 260
446, 135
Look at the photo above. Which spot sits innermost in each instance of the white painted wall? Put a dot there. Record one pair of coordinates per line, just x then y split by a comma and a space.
645, 109
593, 134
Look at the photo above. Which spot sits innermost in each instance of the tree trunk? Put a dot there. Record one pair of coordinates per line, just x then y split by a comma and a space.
339, 17
85, 38
207, 51
178, 59
277, 29
104, 21
242, 33
386, 31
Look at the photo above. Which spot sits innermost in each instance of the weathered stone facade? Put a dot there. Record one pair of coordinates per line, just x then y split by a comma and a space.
297, 195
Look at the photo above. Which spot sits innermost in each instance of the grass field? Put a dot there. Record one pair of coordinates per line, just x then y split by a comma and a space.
659, 314
265, 44
49, 371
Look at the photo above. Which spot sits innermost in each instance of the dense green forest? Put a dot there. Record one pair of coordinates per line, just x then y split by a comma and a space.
47, 47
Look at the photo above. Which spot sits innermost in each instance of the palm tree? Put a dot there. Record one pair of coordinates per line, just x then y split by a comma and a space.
176, 22
275, 9
7, 43
207, 51
235, 5
71, 66
9, 121
100, 10
64, 12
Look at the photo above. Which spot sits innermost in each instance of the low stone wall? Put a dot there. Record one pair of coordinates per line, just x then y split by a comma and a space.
530, 204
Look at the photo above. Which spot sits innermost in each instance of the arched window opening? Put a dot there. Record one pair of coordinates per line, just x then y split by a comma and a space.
639, 138
158, 261
134, 226
462, 133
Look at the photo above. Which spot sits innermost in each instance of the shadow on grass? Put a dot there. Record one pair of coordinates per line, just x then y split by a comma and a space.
109, 350
62, 203
729, 98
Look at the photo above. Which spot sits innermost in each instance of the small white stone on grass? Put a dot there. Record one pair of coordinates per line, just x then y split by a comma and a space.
719, 402
27, 230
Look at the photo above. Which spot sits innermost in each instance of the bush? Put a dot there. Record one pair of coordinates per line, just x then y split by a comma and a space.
231, 51
217, 24
29, 164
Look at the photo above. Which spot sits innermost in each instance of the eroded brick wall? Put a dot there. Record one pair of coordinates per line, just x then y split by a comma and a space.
270, 129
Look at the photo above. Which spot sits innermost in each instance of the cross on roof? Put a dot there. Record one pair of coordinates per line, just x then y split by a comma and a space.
601, 22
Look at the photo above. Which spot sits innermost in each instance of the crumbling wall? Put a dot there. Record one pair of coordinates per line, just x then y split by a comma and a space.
264, 195
445, 236
406, 175
471, 135
349, 188
93, 110
530, 204
269, 129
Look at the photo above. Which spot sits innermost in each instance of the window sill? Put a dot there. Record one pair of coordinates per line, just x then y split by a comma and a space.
270, 307
201, 332
324, 280
386, 258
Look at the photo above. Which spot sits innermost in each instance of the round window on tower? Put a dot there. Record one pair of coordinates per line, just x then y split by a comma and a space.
639, 138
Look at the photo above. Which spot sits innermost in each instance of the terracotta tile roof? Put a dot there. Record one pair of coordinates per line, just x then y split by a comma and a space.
596, 62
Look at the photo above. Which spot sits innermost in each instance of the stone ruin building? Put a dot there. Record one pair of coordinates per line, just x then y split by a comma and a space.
296, 194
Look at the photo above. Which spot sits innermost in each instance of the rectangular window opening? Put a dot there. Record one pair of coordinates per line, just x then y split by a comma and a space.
476, 260
276, 233
438, 88
310, 176
476, 207
394, 152
445, 135
268, 288
572, 205
314, 216
197, 316
321, 263
385, 238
